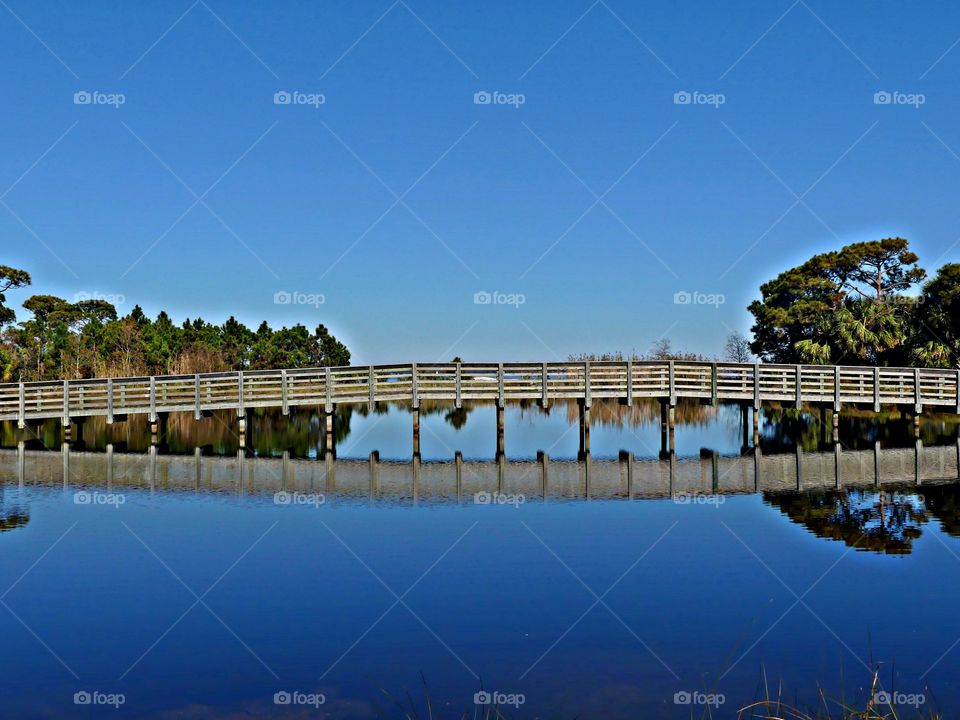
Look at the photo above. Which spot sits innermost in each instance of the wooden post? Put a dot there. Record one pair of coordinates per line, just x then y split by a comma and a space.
876, 389
918, 455
544, 385
109, 401
798, 373
22, 409
876, 463
714, 396
630, 381
756, 389
672, 387
416, 431
197, 411
240, 404
836, 389
65, 448
584, 428
917, 394
372, 387
374, 474
586, 385
284, 393
458, 402
837, 450
501, 395
66, 404
544, 460
458, 467
109, 465
328, 389
414, 388
22, 462
500, 428
627, 457
153, 400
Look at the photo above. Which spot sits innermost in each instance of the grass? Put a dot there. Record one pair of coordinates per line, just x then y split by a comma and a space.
775, 708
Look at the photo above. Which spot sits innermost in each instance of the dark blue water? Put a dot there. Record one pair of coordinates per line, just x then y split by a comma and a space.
208, 604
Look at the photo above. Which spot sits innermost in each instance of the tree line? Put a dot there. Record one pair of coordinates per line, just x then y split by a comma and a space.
89, 339
868, 303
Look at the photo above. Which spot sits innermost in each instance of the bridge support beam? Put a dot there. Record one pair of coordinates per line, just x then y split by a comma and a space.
416, 431
158, 427
584, 408
668, 419
501, 423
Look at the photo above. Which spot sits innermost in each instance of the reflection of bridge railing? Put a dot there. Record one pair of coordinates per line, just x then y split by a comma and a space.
596, 478
498, 382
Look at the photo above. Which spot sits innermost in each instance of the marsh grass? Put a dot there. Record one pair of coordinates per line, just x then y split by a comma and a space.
774, 707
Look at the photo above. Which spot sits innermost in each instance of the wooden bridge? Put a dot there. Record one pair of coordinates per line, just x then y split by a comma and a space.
459, 479
750, 385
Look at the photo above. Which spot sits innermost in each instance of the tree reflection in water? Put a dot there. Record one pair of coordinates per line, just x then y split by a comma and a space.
881, 522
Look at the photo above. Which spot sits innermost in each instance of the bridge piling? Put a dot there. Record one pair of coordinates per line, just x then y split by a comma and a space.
415, 413
584, 413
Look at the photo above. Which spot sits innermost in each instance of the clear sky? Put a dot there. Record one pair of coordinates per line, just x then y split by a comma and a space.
583, 189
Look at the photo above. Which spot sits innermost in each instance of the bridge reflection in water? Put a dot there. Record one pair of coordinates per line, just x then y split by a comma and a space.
458, 480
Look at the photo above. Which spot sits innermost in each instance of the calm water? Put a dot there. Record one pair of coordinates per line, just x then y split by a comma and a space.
202, 586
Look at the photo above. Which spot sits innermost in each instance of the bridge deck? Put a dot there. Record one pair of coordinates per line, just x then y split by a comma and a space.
498, 382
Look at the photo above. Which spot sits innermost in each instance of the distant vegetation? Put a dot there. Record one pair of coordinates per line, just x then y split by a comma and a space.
88, 339
860, 305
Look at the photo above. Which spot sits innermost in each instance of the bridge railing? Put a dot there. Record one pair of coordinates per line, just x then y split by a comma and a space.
499, 382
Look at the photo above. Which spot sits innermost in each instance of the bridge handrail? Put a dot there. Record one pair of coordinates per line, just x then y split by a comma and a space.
695, 379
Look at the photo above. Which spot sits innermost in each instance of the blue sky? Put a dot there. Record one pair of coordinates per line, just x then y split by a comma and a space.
595, 201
